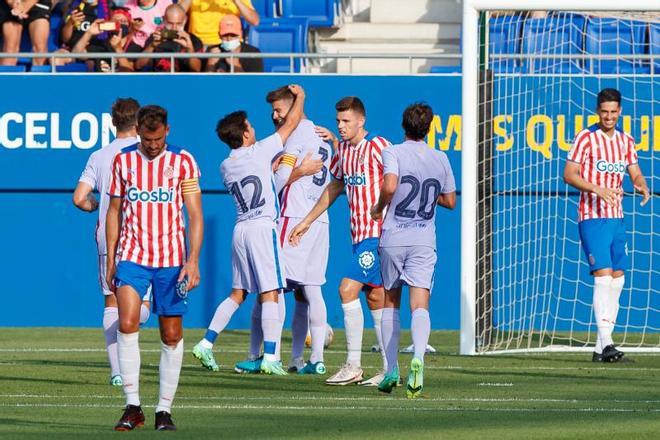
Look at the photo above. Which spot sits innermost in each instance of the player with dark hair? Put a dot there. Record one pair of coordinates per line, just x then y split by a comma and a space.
596, 165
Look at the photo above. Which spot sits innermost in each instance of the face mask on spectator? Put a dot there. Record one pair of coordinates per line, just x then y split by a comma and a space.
230, 45
120, 3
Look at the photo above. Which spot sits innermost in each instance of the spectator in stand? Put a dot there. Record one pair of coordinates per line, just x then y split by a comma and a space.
118, 41
147, 17
231, 36
172, 38
79, 16
14, 15
205, 15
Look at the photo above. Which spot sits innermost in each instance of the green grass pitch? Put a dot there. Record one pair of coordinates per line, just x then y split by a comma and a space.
54, 384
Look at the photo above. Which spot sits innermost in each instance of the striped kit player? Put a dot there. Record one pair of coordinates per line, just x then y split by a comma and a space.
596, 164
151, 182
357, 168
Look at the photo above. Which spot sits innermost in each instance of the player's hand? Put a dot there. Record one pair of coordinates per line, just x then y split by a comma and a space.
297, 91
644, 191
93, 203
296, 234
376, 214
611, 196
111, 270
325, 134
276, 162
191, 270
309, 166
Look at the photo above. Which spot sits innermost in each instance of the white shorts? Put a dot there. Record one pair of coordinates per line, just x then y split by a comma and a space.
257, 262
103, 270
306, 263
410, 265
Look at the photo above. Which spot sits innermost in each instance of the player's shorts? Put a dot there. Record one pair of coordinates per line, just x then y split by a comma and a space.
161, 280
364, 265
306, 263
103, 270
40, 10
604, 243
413, 266
256, 259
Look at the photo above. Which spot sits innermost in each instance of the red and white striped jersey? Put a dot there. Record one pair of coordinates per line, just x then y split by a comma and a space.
153, 230
361, 169
604, 161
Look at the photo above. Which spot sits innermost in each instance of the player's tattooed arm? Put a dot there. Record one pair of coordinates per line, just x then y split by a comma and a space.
572, 177
390, 182
639, 183
84, 199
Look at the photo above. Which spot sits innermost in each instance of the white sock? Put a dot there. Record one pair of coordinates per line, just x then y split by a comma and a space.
601, 309
144, 314
221, 318
256, 333
377, 316
281, 308
354, 326
599, 345
420, 327
270, 322
110, 326
128, 348
318, 317
171, 359
299, 329
390, 330
615, 293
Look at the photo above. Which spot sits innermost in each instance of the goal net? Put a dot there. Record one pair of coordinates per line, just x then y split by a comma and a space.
539, 74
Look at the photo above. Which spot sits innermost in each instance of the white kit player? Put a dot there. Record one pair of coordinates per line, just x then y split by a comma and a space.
357, 168
257, 262
416, 178
151, 182
596, 165
96, 176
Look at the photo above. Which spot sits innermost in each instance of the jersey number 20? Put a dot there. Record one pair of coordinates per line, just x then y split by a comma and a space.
424, 212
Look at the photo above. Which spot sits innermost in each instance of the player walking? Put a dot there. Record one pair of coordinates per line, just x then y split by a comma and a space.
416, 178
357, 167
151, 181
96, 175
596, 165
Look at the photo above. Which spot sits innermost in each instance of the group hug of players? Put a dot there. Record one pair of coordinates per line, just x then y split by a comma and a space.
282, 186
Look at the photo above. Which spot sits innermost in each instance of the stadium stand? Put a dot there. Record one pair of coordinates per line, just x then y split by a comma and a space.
265, 8
556, 35
280, 35
504, 38
654, 45
319, 13
615, 36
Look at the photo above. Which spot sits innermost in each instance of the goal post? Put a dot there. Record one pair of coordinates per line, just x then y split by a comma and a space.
523, 275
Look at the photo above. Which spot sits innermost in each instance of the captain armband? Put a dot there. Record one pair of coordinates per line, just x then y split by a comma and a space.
288, 160
190, 186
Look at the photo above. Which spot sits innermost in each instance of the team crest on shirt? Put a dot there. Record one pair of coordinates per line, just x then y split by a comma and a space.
169, 172
366, 260
592, 259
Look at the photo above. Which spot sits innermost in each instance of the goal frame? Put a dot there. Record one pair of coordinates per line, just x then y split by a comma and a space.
470, 141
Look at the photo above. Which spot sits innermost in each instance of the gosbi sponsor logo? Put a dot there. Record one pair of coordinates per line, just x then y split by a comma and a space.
609, 167
357, 180
159, 195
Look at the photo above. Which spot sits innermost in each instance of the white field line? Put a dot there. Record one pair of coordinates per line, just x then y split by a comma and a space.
336, 399
228, 368
411, 408
495, 384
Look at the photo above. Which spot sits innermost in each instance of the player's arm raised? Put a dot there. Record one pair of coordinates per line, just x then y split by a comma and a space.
390, 183
328, 197
639, 183
572, 177
192, 199
295, 114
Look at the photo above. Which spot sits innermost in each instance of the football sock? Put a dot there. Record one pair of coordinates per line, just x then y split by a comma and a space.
128, 348
601, 310
270, 322
420, 327
110, 326
390, 329
318, 317
615, 293
299, 329
171, 359
221, 318
256, 333
354, 325
144, 314
377, 316
599, 345
281, 307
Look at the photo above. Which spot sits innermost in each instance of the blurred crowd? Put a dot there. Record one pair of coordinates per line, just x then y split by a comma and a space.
133, 27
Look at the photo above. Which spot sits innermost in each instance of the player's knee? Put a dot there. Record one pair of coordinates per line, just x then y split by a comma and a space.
127, 325
171, 337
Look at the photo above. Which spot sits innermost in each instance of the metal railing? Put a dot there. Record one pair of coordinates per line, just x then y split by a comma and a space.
231, 56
